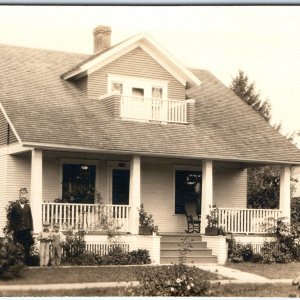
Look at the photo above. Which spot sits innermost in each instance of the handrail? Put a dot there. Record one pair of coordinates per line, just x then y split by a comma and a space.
93, 217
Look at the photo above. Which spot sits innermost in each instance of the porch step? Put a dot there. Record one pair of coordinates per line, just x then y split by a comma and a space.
198, 252
189, 260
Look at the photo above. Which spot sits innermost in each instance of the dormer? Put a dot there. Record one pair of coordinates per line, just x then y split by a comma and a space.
139, 79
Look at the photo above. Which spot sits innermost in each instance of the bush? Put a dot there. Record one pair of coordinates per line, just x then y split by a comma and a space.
238, 252
286, 247
117, 256
74, 247
175, 280
139, 257
11, 258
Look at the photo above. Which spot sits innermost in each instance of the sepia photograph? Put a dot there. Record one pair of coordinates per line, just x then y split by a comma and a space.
150, 150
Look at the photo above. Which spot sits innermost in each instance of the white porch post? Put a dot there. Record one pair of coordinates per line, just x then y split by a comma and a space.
36, 188
285, 192
134, 194
207, 192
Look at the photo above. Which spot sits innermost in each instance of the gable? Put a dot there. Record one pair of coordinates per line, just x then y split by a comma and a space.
136, 63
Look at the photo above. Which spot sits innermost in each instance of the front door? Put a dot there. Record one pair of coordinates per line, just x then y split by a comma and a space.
120, 186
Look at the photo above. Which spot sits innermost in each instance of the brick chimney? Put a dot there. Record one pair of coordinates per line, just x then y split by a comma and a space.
102, 36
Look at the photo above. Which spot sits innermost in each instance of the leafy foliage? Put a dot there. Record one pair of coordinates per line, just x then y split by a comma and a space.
263, 187
74, 247
11, 258
239, 252
246, 91
175, 280
286, 247
146, 220
117, 256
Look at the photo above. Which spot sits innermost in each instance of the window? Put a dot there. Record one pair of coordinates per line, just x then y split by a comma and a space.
78, 184
117, 88
137, 86
188, 186
137, 92
157, 92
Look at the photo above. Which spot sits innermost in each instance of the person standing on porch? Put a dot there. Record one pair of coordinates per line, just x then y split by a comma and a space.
20, 223
58, 239
45, 238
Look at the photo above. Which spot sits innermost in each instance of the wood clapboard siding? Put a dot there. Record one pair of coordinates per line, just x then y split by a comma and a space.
230, 188
3, 193
158, 196
18, 175
135, 63
51, 179
157, 193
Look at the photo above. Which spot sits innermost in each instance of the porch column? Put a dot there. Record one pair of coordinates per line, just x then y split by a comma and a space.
36, 188
207, 192
134, 194
285, 192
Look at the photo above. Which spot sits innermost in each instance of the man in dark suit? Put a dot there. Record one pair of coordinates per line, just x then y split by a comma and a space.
20, 222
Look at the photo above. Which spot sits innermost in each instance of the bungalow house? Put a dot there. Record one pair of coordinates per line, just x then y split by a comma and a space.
93, 137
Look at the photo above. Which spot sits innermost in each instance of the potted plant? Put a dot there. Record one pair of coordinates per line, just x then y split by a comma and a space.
146, 222
212, 221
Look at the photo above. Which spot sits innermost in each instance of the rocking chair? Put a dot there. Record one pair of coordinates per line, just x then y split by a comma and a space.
192, 217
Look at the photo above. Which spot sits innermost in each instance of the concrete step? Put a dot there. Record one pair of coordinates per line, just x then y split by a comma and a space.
191, 253
192, 260
175, 244
180, 238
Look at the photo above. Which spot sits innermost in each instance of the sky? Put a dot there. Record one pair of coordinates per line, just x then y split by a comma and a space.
263, 41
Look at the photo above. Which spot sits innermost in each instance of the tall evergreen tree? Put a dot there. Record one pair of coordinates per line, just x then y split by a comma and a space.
263, 182
246, 91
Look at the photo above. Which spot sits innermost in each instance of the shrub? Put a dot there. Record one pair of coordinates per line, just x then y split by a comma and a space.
175, 280
74, 247
286, 247
139, 257
117, 256
11, 258
238, 252
146, 220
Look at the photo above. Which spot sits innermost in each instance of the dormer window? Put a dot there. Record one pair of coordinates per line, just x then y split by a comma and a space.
146, 99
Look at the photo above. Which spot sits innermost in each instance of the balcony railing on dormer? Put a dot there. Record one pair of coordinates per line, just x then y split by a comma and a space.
153, 109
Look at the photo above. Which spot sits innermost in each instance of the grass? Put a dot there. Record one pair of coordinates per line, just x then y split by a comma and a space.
228, 290
84, 274
271, 271
256, 290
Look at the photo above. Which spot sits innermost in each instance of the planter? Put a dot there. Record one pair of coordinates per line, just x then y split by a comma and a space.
145, 231
212, 231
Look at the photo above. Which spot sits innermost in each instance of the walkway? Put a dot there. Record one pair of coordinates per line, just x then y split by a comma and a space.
237, 276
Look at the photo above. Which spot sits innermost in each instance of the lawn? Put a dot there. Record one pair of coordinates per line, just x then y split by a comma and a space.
84, 274
271, 271
228, 290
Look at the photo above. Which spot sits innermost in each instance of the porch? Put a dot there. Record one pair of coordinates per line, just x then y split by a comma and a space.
126, 181
96, 218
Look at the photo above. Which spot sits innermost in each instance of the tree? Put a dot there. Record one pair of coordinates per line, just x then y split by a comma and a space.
263, 182
246, 91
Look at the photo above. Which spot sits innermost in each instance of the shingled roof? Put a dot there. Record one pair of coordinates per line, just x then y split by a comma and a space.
45, 110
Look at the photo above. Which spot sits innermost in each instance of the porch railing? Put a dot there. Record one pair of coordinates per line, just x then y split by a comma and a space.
237, 220
92, 217
153, 109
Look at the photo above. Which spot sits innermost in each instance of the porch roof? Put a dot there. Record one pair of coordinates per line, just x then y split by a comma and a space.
46, 110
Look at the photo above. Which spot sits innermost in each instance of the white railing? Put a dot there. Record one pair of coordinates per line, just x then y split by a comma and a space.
153, 109
92, 217
239, 220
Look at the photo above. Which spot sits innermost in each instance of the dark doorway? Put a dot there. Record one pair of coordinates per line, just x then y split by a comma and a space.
120, 186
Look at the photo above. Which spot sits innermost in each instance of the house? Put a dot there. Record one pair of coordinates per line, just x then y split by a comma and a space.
94, 136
